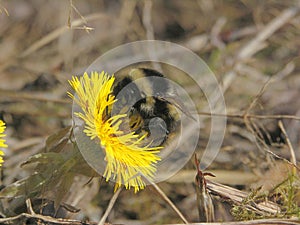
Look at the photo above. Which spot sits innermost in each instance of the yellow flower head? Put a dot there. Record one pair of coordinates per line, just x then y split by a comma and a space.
2, 144
127, 160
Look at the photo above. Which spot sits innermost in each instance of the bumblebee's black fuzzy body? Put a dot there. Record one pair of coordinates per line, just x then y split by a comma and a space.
144, 92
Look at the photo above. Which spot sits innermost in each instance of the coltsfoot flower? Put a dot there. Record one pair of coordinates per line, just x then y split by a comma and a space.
2, 141
127, 159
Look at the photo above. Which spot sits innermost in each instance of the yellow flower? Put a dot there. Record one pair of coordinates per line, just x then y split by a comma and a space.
127, 160
2, 144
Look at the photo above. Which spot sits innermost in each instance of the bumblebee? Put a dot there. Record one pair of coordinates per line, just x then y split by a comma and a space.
151, 103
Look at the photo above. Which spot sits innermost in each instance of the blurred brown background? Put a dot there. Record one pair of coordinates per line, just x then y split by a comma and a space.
245, 43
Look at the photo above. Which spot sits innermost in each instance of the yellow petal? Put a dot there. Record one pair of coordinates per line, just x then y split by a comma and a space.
127, 161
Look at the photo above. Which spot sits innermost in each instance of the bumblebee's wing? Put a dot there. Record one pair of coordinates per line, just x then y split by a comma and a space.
175, 101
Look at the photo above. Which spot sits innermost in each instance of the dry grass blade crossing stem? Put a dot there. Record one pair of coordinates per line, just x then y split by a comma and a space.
72, 6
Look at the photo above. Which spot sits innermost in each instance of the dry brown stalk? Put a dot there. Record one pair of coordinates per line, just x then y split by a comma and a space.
165, 197
257, 43
110, 206
253, 222
57, 32
237, 197
38, 218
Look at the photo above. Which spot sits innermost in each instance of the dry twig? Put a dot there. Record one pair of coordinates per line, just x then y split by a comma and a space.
39, 219
165, 197
254, 222
147, 19
56, 33
292, 151
110, 206
254, 129
237, 197
252, 116
256, 44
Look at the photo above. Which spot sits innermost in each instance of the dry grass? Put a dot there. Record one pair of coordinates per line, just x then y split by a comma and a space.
253, 48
